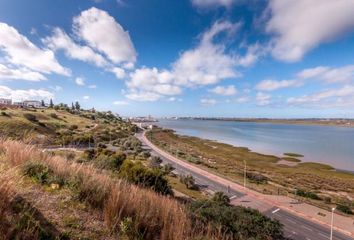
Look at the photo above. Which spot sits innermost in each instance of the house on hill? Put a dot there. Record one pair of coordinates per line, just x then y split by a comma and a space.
32, 103
5, 102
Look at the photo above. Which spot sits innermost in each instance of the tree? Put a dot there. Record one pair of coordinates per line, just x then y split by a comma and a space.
51, 104
42, 103
72, 106
77, 106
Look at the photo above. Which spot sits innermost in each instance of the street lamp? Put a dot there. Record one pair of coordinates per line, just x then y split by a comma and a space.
244, 174
331, 236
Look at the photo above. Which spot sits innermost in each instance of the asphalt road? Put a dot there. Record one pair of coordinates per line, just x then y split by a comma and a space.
295, 227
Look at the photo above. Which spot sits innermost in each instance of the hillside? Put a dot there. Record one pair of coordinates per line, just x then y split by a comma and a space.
101, 184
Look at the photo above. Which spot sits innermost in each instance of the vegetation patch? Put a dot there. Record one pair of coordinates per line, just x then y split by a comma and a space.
295, 155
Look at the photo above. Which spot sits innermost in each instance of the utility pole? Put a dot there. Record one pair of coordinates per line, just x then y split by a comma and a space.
244, 174
331, 236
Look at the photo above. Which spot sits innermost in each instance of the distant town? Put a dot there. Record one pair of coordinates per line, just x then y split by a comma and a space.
23, 104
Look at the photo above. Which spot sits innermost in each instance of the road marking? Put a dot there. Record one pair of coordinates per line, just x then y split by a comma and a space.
306, 228
289, 220
276, 210
323, 235
233, 197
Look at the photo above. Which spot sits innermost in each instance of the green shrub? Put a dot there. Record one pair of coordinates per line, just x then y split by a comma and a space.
236, 221
344, 209
41, 173
257, 178
151, 178
307, 194
73, 127
189, 181
221, 198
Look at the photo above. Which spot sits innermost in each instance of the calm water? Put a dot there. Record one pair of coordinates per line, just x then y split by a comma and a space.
331, 145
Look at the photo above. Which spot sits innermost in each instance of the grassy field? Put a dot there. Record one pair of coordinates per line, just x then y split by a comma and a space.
228, 161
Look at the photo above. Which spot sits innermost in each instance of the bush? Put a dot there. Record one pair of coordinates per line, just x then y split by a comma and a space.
307, 194
30, 117
110, 162
73, 127
139, 174
54, 115
257, 177
4, 114
344, 209
237, 222
41, 173
155, 162
221, 198
189, 181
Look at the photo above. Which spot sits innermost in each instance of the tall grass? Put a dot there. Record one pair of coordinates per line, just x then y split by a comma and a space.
153, 216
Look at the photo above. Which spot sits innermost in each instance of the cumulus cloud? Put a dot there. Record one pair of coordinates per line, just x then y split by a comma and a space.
208, 101
8, 73
103, 33
343, 96
224, 90
118, 72
152, 84
20, 94
86, 97
80, 81
20, 51
212, 3
208, 63
263, 99
271, 85
301, 25
61, 41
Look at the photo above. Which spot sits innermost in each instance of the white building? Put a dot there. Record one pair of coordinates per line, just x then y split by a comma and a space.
5, 101
32, 103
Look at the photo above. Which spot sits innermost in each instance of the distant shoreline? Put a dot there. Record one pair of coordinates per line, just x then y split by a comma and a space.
339, 122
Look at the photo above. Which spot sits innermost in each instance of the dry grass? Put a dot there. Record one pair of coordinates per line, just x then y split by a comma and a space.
153, 216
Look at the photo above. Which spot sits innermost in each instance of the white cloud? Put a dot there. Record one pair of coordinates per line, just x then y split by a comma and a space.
254, 52
86, 97
207, 63
271, 85
208, 101
224, 90
242, 99
103, 33
120, 103
60, 40
20, 74
119, 72
301, 25
20, 94
212, 3
92, 86
80, 81
153, 82
328, 74
343, 96
143, 96
22, 52
263, 99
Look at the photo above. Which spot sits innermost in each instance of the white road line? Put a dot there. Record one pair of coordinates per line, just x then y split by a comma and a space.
306, 228
234, 196
319, 233
276, 210
287, 219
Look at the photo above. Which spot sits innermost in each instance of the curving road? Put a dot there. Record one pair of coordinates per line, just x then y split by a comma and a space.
295, 227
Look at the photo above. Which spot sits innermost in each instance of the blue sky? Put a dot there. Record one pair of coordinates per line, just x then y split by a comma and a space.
231, 58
